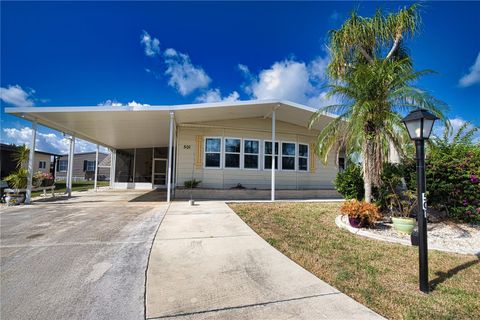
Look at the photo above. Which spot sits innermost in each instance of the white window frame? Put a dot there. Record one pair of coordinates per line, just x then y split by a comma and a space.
264, 154
288, 156
205, 153
42, 164
90, 162
66, 166
240, 154
303, 157
259, 154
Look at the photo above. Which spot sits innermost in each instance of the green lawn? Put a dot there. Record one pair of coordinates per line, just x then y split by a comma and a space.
76, 186
381, 275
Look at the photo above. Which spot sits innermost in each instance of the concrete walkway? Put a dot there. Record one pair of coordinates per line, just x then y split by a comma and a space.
206, 263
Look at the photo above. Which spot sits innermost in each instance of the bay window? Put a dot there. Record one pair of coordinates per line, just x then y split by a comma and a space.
213, 149
268, 155
303, 157
288, 155
232, 153
251, 149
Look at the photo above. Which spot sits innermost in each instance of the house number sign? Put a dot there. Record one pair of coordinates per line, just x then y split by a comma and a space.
424, 205
186, 146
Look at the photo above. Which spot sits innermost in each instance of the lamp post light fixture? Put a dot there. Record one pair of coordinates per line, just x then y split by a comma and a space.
419, 124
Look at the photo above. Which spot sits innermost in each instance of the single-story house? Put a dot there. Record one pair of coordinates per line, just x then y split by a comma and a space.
84, 165
225, 145
43, 161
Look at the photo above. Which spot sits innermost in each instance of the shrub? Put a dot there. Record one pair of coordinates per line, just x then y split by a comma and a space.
368, 213
18, 179
452, 174
349, 183
192, 183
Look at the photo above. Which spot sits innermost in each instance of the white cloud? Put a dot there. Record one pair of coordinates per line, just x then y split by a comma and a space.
288, 80
184, 76
137, 104
473, 76
110, 103
455, 123
16, 96
48, 142
151, 45
114, 103
214, 95
291, 80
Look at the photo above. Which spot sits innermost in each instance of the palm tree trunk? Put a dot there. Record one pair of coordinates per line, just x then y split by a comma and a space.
368, 167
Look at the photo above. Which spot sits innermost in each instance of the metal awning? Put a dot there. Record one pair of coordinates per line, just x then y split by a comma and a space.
147, 126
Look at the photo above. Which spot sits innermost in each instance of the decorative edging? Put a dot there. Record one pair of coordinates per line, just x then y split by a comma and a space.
342, 222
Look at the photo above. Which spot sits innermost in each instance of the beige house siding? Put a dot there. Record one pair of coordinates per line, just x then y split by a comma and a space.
41, 157
318, 176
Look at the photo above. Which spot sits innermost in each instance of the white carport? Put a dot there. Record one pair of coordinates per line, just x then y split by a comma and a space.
147, 126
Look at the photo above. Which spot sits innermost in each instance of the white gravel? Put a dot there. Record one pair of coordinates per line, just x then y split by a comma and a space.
442, 236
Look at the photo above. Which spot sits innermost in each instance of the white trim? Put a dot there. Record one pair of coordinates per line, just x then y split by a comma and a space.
224, 151
205, 153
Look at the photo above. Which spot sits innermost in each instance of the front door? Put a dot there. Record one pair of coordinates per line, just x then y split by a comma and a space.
159, 173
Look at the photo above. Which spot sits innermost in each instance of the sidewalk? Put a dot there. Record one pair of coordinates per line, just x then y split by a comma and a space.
206, 263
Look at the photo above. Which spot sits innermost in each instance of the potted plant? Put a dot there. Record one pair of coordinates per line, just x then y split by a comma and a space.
401, 208
17, 180
360, 213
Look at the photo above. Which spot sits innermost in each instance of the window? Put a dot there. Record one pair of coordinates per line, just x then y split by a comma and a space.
251, 149
268, 155
303, 157
90, 166
288, 156
62, 165
213, 148
341, 164
232, 153
42, 164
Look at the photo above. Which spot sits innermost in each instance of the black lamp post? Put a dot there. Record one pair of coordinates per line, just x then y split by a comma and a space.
419, 125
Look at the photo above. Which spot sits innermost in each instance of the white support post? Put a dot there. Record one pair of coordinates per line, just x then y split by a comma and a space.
170, 145
273, 156
31, 159
96, 170
174, 164
113, 161
68, 190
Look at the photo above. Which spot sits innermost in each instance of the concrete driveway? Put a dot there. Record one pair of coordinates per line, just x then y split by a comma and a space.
206, 263
83, 258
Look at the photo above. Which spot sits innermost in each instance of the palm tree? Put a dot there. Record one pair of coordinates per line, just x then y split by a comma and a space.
371, 75
21, 155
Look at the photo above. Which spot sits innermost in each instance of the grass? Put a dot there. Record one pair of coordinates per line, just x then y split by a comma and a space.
381, 275
60, 187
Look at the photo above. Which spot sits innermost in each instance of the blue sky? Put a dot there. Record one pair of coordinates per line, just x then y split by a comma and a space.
84, 53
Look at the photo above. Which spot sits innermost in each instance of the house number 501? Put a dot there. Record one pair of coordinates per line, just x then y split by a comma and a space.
186, 146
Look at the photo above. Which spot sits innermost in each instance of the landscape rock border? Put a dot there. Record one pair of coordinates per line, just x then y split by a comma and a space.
342, 222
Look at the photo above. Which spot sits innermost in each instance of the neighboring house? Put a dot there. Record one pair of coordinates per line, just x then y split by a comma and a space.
226, 145
83, 167
43, 161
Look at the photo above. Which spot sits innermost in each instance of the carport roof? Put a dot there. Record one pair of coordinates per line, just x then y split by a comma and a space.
146, 126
